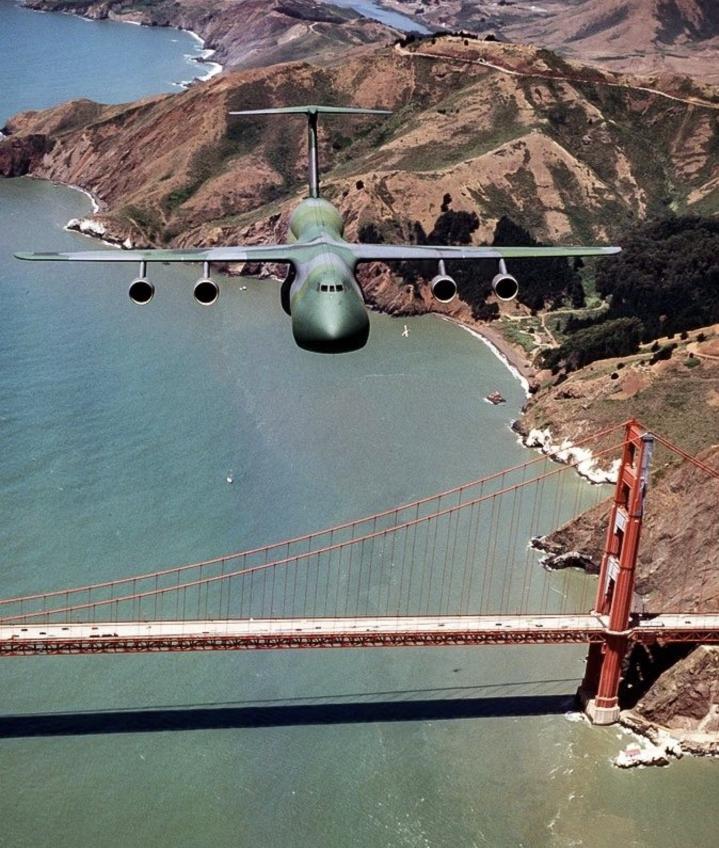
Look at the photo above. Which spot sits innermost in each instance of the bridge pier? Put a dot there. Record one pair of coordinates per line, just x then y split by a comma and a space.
599, 691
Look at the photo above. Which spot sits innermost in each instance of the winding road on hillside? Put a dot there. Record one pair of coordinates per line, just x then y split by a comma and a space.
549, 75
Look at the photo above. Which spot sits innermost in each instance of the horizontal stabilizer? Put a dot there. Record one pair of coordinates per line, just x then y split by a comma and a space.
314, 110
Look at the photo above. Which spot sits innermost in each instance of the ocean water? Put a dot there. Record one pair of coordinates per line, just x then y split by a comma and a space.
48, 58
119, 426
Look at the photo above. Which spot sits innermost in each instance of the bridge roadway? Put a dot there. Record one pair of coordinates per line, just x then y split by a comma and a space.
24, 639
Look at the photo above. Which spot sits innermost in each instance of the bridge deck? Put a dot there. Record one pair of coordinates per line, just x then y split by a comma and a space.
236, 634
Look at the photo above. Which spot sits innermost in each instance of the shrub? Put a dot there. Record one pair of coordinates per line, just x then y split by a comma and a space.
664, 352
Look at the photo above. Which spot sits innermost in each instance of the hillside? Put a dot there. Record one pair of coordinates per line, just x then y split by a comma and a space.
641, 36
678, 396
245, 33
501, 129
677, 36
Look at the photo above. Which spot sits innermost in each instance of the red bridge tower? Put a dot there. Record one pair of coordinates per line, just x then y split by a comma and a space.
600, 688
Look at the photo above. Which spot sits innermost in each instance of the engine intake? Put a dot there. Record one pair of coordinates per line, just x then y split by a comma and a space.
141, 291
206, 291
505, 286
444, 288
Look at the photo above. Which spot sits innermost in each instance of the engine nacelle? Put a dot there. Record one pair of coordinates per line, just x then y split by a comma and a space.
141, 291
206, 291
444, 288
505, 286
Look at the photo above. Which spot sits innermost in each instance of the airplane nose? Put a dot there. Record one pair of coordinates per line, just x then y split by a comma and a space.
333, 326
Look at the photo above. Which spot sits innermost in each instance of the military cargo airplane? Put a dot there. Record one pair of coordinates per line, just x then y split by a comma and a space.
320, 292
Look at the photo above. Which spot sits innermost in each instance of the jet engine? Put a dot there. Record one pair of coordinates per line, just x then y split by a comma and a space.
141, 291
206, 291
444, 288
504, 284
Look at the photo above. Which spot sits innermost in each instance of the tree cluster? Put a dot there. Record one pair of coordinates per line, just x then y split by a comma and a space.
618, 337
667, 275
666, 281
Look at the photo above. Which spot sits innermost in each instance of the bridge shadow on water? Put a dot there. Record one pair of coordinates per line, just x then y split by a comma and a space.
361, 708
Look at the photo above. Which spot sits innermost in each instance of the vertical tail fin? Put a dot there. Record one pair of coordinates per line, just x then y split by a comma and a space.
312, 113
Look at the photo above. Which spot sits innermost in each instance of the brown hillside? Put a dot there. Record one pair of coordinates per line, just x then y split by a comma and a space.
678, 397
679, 36
568, 158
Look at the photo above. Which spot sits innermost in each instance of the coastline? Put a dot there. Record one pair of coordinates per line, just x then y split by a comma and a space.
93, 200
563, 450
509, 355
202, 59
207, 52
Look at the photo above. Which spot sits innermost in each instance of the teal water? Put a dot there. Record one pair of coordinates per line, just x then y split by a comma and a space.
374, 10
119, 426
48, 58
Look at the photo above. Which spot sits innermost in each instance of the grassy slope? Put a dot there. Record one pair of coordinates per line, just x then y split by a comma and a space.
569, 161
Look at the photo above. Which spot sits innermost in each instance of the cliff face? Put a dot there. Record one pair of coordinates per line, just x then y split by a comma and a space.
502, 129
685, 702
245, 33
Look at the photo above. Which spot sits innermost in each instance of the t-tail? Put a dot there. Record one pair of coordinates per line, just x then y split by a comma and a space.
312, 113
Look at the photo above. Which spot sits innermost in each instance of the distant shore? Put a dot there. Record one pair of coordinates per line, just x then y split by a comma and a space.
203, 58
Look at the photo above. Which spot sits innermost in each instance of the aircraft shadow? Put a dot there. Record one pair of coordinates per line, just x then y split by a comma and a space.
281, 714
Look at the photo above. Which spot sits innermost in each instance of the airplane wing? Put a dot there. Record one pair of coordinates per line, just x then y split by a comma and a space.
262, 253
389, 252
291, 252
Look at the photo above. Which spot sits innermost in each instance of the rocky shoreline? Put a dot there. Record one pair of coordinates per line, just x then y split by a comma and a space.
97, 10
679, 714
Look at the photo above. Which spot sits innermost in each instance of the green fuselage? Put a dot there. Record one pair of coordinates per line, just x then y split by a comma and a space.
321, 294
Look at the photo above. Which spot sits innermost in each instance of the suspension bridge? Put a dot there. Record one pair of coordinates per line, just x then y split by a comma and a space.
455, 568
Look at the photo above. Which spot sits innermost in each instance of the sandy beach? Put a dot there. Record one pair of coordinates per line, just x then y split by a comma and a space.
513, 355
